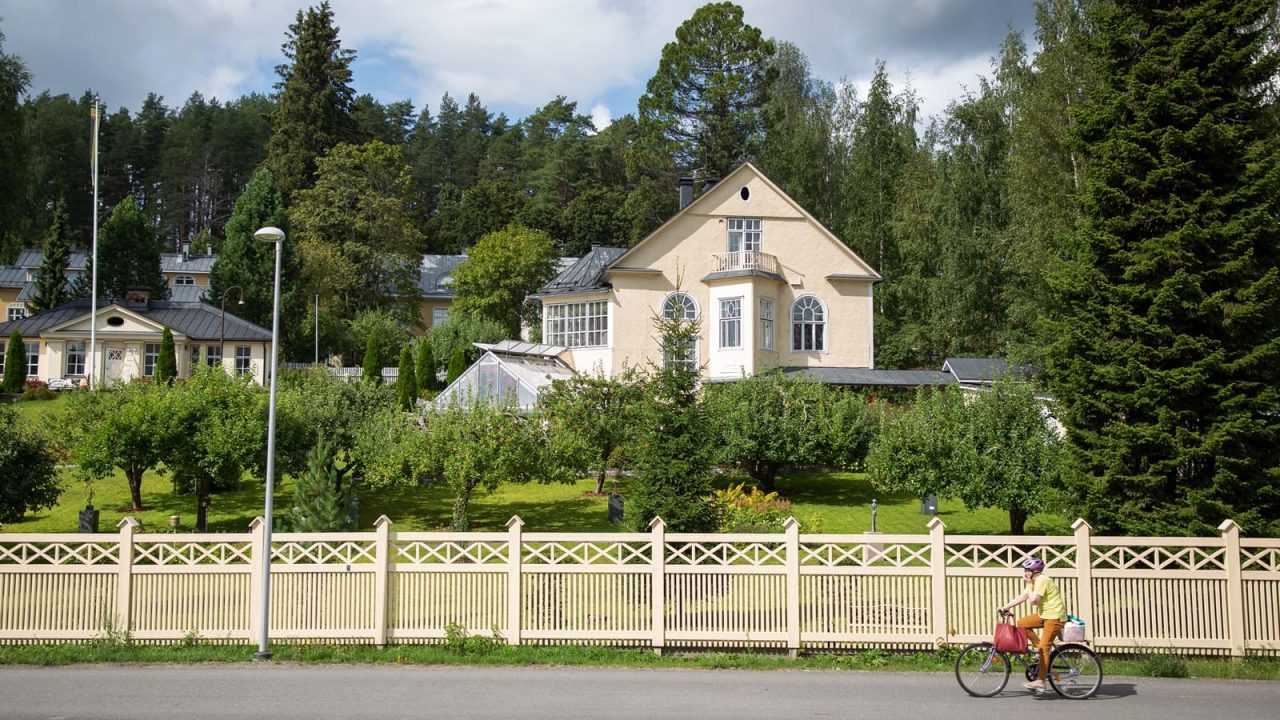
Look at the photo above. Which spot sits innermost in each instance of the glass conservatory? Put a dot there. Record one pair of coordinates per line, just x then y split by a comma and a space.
507, 372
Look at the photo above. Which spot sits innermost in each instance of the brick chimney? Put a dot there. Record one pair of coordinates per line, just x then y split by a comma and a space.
137, 297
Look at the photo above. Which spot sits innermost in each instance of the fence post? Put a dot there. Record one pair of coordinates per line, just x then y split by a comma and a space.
1235, 586
515, 556
938, 584
657, 589
792, 528
381, 568
1084, 572
124, 584
257, 551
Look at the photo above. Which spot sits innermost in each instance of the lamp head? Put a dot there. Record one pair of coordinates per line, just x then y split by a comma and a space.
269, 234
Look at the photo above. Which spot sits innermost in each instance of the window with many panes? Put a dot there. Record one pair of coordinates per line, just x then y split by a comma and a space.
75, 357
808, 325
744, 234
579, 324
213, 355
33, 358
184, 280
150, 351
681, 306
766, 323
731, 322
195, 357
244, 356
438, 315
16, 311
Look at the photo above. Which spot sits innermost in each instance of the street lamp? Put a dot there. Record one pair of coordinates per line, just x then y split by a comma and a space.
222, 324
271, 235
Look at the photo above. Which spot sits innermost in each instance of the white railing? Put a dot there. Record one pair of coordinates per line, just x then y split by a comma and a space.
746, 260
1215, 595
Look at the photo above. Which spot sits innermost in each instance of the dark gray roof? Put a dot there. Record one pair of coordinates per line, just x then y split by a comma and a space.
197, 321
32, 258
12, 276
187, 293
970, 371
196, 264
871, 376
435, 268
584, 275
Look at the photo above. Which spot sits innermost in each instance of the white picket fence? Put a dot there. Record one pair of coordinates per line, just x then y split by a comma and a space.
790, 591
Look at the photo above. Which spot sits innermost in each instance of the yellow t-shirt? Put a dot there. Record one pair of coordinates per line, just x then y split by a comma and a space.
1051, 606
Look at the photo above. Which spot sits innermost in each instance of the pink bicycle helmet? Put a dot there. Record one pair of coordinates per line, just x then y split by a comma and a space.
1033, 564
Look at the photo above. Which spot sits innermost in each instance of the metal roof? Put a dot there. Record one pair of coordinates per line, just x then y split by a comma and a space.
984, 370
585, 274
515, 347
871, 376
12, 276
435, 268
197, 321
178, 263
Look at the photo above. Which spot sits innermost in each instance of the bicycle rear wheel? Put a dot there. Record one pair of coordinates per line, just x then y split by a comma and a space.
981, 670
1074, 671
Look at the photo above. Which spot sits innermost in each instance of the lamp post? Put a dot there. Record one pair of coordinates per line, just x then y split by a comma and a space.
271, 235
222, 324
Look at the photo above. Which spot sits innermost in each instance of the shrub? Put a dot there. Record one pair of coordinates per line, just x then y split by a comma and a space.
1169, 666
740, 511
37, 391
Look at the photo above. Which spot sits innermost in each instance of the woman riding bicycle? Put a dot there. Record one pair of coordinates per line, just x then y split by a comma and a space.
1050, 614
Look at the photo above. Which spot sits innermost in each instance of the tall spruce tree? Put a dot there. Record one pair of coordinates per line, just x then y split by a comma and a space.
128, 255
1166, 363
51, 279
314, 112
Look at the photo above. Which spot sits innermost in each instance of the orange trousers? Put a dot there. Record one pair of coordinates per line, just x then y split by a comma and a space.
1042, 641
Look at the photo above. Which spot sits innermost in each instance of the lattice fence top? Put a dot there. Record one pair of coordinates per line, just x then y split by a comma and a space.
448, 552
1008, 556
193, 553
864, 554
1267, 559
323, 553
751, 554
1160, 557
102, 552
587, 553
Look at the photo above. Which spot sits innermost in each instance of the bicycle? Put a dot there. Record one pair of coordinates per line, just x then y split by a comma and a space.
1075, 672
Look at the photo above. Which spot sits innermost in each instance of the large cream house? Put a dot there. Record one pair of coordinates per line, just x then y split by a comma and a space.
770, 286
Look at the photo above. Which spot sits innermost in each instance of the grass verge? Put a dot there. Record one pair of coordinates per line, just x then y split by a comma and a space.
476, 651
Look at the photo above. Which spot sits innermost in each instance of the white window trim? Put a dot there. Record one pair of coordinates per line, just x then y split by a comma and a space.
581, 324
750, 232
824, 323
767, 340
15, 311
68, 370
243, 360
184, 280
154, 358
730, 324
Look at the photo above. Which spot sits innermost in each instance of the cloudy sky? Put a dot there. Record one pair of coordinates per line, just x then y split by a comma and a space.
516, 55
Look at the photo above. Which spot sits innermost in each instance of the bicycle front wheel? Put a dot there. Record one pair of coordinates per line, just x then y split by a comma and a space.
981, 670
1075, 672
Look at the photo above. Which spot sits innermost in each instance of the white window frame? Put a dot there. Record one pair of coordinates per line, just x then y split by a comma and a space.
75, 358
744, 234
687, 309
150, 355
33, 358
808, 324
194, 354
183, 280
213, 355
439, 315
731, 322
16, 311
766, 310
244, 359
577, 324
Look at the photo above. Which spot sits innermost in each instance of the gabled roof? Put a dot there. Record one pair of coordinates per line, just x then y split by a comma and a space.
197, 321
12, 276
583, 275
178, 263
32, 258
729, 179
516, 347
975, 371
432, 270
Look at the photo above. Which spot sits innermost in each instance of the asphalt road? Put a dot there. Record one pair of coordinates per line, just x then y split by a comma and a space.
287, 692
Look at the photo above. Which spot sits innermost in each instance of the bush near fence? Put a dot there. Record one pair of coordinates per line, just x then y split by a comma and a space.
660, 590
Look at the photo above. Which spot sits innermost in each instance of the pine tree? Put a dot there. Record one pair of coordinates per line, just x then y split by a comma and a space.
406, 380
1166, 362
167, 363
314, 112
15, 363
372, 361
457, 365
51, 278
318, 503
425, 367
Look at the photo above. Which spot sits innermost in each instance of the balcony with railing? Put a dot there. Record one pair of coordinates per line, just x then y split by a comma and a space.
744, 261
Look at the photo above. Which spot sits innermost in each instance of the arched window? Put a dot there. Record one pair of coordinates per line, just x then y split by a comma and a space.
808, 325
184, 280
680, 306
445, 283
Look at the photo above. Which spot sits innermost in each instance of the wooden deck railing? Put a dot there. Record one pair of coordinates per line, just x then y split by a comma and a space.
1215, 595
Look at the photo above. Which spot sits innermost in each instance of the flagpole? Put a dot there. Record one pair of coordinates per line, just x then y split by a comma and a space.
93, 294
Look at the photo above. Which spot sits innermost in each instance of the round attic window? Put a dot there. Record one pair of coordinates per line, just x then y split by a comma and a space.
745, 193
115, 321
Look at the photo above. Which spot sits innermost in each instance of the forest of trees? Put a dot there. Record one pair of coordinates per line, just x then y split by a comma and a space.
1104, 208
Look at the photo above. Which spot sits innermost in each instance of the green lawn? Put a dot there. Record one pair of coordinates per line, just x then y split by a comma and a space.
823, 502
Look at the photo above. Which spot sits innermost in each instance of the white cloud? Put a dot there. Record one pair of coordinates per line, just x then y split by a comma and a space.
601, 117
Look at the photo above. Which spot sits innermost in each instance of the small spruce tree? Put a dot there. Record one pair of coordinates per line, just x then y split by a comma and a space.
372, 361
457, 365
318, 503
425, 370
406, 380
167, 363
15, 363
